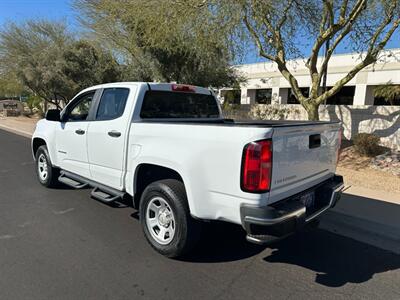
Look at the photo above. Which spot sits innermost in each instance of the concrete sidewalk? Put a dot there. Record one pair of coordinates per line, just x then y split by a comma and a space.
372, 217
20, 125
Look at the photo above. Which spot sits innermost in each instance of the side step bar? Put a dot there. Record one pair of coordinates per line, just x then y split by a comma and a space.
100, 192
71, 182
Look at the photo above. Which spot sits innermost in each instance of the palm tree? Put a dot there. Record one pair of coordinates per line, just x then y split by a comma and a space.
389, 92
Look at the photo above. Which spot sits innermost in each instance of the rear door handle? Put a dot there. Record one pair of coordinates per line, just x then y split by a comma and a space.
80, 131
114, 133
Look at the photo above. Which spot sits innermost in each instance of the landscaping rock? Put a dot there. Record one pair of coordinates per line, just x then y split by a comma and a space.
388, 162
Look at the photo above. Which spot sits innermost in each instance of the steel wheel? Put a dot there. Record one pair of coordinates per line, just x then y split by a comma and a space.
160, 220
42, 167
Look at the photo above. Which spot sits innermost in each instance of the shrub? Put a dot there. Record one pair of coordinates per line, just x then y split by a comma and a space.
367, 144
234, 111
272, 112
34, 104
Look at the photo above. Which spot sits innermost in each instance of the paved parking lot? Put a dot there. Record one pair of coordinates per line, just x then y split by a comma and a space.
61, 244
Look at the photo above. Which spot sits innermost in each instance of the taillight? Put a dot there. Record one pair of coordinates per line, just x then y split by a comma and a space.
257, 167
183, 88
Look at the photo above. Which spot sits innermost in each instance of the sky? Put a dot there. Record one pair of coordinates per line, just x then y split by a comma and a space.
20, 10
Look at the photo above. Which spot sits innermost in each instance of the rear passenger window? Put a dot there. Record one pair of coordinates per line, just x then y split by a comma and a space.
112, 103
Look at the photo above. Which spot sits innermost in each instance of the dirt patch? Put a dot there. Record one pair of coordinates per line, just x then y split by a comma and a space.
370, 179
349, 158
362, 171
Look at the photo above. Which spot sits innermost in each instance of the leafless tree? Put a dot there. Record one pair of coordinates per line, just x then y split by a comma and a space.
367, 25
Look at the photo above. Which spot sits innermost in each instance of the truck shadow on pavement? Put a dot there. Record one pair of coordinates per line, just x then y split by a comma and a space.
337, 260
222, 242
219, 242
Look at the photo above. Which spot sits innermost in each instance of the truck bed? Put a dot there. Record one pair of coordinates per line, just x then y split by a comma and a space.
244, 122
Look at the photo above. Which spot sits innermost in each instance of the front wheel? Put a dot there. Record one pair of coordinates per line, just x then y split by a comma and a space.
166, 220
47, 174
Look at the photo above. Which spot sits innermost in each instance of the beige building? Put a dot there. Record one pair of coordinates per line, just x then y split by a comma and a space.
265, 84
355, 105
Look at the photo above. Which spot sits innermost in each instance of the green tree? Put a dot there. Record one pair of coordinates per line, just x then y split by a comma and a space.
84, 64
32, 50
47, 60
158, 42
35, 102
10, 86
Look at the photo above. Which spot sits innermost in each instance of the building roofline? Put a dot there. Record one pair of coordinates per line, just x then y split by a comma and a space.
319, 56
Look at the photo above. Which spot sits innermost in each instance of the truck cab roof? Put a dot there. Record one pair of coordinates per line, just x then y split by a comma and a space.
158, 86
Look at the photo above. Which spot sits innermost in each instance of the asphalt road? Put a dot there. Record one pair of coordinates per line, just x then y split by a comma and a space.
61, 244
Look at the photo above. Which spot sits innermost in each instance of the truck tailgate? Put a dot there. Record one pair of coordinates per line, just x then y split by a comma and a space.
303, 156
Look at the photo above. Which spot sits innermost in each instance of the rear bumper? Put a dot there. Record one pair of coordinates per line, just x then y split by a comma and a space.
268, 223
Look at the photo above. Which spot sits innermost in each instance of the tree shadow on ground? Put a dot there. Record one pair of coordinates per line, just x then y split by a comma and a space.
337, 260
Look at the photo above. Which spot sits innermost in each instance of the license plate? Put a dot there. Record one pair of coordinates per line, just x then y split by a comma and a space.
308, 199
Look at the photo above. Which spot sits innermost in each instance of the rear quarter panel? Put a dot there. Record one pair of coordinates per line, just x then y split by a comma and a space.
207, 157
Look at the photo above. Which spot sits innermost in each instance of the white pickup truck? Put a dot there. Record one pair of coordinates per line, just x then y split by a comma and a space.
169, 149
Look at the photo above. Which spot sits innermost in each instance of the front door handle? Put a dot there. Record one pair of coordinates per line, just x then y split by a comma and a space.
114, 133
80, 131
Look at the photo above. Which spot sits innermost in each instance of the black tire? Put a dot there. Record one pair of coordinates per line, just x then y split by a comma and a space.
51, 179
187, 229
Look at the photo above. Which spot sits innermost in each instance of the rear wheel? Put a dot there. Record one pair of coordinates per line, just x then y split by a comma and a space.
47, 174
166, 220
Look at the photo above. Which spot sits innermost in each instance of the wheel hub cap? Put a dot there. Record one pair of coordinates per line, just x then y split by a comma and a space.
160, 220
42, 167
164, 218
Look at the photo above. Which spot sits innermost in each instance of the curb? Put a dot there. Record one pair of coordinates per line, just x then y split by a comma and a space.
379, 235
16, 131
366, 218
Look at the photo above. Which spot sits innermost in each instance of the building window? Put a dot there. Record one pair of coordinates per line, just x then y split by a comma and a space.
387, 95
344, 97
263, 96
292, 98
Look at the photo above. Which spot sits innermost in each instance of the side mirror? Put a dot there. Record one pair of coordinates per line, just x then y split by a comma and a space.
53, 115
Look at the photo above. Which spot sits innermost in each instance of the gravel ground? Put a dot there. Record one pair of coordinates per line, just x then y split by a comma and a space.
388, 162
378, 173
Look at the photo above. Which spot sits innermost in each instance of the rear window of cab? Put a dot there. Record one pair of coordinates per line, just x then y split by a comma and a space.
177, 105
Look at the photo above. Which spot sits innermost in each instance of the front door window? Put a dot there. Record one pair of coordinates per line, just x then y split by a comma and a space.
80, 109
